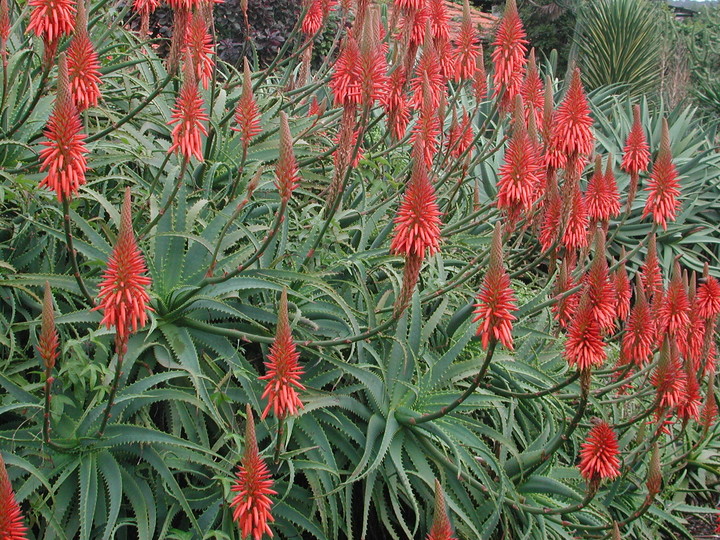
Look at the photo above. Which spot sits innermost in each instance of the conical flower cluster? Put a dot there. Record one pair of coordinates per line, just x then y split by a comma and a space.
508, 56
346, 79
441, 527
123, 290
247, 115
518, 173
253, 485
187, 117
496, 301
51, 19
64, 154
573, 125
11, 519
467, 48
282, 370
639, 338
83, 64
636, 155
48, 340
599, 454
198, 47
286, 170
664, 186
584, 346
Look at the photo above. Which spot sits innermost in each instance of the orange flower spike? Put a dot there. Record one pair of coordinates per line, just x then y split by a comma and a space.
508, 56
496, 300
188, 116
623, 289
286, 170
599, 454
247, 114
441, 527
439, 20
64, 154
198, 47
636, 154
48, 341
123, 296
600, 288
282, 370
253, 484
573, 125
575, 235
650, 270
708, 296
639, 338
51, 19
417, 224
669, 377
346, 78
518, 173
566, 304
83, 64
468, 47
664, 186
5, 27
673, 315
532, 91
584, 346
11, 518
145, 8
480, 77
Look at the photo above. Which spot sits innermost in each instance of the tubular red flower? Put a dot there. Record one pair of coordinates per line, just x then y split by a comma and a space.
426, 129
532, 91
417, 224
575, 235
428, 81
669, 377
11, 518
650, 270
689, 406
64, 154
198, 47
123, 296
467, 47
710, 409
461, 136
623, 290
253, 484
673, 315
480, 77
551, 217
315, 16
599, 454
145, 8
496, 300
5, 28
518, 173
48, 341
83, 65
188, 115
602, 197
51, 19
708, 297
584, 346
441, 528
439, 20
247, 115
600, 289
664, 186
566, 304
573, 126
636, 155
346, 79
639, 338
508, 56
286, 170
282, 370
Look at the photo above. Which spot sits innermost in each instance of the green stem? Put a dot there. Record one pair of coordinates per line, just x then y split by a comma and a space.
120, 345
73, 253
169, 201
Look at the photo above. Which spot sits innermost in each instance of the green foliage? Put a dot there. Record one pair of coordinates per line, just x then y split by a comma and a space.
618, 44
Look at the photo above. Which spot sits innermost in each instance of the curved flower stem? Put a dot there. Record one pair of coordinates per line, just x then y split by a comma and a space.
241, 167
466, 394
46, 411
120, 346
589, 496
531, 395
73, 253
641, 416
278, 442
169, 201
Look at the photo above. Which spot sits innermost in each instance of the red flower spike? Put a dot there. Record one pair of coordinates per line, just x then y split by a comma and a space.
374, 81
599, 454
584, 346
417, 224
673, 315
198, 47
184, 5
689, 407
253, 484
83, 64
282, 369
5, 27
346, 79
411, 276
48, 341
669, 377
708, 297
480, 88
710, 409
575, 235
548, 112
496, 301
51, 19
663, 187
518, 173
286, 170
573, 126
247, 115
597, 199
441, 528
532, 91
314, 17
599, 287
639, 338
623, 289
467, 47
123, 296
650, 270
188, 116
11, 518
439, 20
566, 304
64, 154
612, 195
410, 4
636, 155
461, 135
428, 81
654, 478
508, 56
426, 129
446, 57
